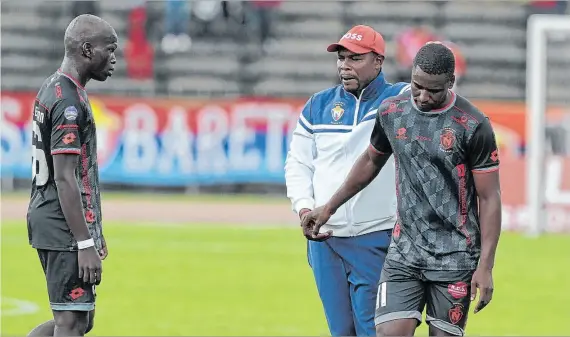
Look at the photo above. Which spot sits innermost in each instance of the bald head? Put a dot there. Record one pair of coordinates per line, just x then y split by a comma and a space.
90, 44
83, 29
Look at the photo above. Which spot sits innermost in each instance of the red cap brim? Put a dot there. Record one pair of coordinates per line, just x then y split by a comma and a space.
350, 46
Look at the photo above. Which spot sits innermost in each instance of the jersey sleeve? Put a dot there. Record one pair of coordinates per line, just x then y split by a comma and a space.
65, 118
378, 140
483, 152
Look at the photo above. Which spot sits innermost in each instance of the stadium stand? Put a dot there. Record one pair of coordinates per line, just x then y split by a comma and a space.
223, 61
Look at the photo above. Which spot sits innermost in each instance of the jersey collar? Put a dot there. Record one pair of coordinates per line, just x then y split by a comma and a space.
436, 111
76, 82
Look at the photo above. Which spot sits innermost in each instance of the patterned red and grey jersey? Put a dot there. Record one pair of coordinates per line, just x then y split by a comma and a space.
62, 124
436, 154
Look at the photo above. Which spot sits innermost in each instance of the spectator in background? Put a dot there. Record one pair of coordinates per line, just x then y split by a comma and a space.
139, 53
261, 15
411, 40
177, 20
205, 13
408, 43
84, 7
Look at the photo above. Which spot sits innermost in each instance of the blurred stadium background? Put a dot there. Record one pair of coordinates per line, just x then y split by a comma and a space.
193, 131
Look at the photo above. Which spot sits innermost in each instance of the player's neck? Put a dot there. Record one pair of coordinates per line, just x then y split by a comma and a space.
358, 92
449, 97
443, 107
72, 69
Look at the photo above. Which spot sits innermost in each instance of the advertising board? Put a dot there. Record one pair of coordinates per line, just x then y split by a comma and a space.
183, 142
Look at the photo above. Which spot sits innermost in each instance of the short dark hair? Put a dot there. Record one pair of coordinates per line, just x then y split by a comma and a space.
435, 59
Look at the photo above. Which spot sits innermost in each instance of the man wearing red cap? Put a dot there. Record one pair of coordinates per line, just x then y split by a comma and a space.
334, 128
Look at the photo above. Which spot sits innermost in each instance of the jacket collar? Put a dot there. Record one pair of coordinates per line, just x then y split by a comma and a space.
373, 89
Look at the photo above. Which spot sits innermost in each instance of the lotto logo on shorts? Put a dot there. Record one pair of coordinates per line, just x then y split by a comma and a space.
457, 290
76, 293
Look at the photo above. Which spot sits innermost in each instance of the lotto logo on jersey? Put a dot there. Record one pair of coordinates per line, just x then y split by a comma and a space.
495, 156
353, 36
68, 138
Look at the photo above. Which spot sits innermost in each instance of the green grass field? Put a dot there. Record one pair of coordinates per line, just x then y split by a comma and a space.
223, 280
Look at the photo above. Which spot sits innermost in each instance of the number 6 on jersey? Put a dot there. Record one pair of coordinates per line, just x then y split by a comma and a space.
40, 171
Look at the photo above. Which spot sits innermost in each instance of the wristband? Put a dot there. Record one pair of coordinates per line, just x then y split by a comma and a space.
85, 244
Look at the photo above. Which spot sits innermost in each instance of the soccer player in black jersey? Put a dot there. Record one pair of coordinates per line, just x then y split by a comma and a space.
64, 214
449, 201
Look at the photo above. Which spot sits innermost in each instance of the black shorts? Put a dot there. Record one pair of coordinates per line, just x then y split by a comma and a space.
66, 291
404, 291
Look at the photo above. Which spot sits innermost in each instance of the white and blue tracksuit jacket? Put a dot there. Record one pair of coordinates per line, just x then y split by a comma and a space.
333, 130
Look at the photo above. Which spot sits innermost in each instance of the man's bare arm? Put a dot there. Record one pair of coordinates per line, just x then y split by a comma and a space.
69, 195
489, 193
363, 172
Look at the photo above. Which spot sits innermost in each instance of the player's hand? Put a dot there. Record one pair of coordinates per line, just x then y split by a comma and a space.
482, 280
303, 213
103, 252
312, 221
90, 268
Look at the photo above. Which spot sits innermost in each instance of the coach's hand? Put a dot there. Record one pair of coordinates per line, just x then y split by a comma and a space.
482, 280
312, 221
90, 268
103, 252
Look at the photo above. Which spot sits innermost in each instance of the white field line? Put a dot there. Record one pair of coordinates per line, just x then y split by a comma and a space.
18, 307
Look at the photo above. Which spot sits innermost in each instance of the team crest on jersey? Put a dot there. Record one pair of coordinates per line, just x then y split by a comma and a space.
337, 112
447, 139
70, 113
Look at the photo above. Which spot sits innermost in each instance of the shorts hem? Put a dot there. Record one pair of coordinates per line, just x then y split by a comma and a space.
445, 326
72, 306
392, 316
55, 249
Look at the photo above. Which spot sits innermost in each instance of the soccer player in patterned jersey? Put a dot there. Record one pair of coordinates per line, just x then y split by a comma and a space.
64, 214
449, 204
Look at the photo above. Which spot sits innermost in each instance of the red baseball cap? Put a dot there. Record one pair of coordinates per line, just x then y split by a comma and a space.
360, 40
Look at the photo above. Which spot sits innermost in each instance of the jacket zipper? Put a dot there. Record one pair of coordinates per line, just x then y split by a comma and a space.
349, 204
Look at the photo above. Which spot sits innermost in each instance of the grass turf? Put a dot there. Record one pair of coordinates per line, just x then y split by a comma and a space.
223, 280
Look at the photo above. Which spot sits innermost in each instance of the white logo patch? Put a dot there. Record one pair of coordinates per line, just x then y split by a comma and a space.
70, 113
352, 36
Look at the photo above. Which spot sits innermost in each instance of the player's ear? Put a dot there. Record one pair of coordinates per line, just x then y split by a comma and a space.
379, 61
87, 49
451, 81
